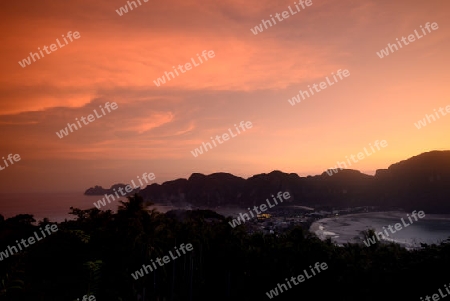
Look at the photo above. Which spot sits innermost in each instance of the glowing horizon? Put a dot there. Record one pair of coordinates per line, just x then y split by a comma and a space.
116, 58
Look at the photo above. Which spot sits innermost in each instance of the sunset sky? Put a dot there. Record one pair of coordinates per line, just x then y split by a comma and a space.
251, 77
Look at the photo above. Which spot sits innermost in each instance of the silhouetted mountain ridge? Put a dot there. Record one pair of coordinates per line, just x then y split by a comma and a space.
99, 190
419, 183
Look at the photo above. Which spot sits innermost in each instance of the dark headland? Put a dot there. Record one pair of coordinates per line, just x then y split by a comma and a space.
422, 181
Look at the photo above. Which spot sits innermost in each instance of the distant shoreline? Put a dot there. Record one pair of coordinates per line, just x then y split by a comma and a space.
346, 228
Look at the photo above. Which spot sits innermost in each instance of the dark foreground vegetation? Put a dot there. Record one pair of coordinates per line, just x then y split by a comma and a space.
97, 252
